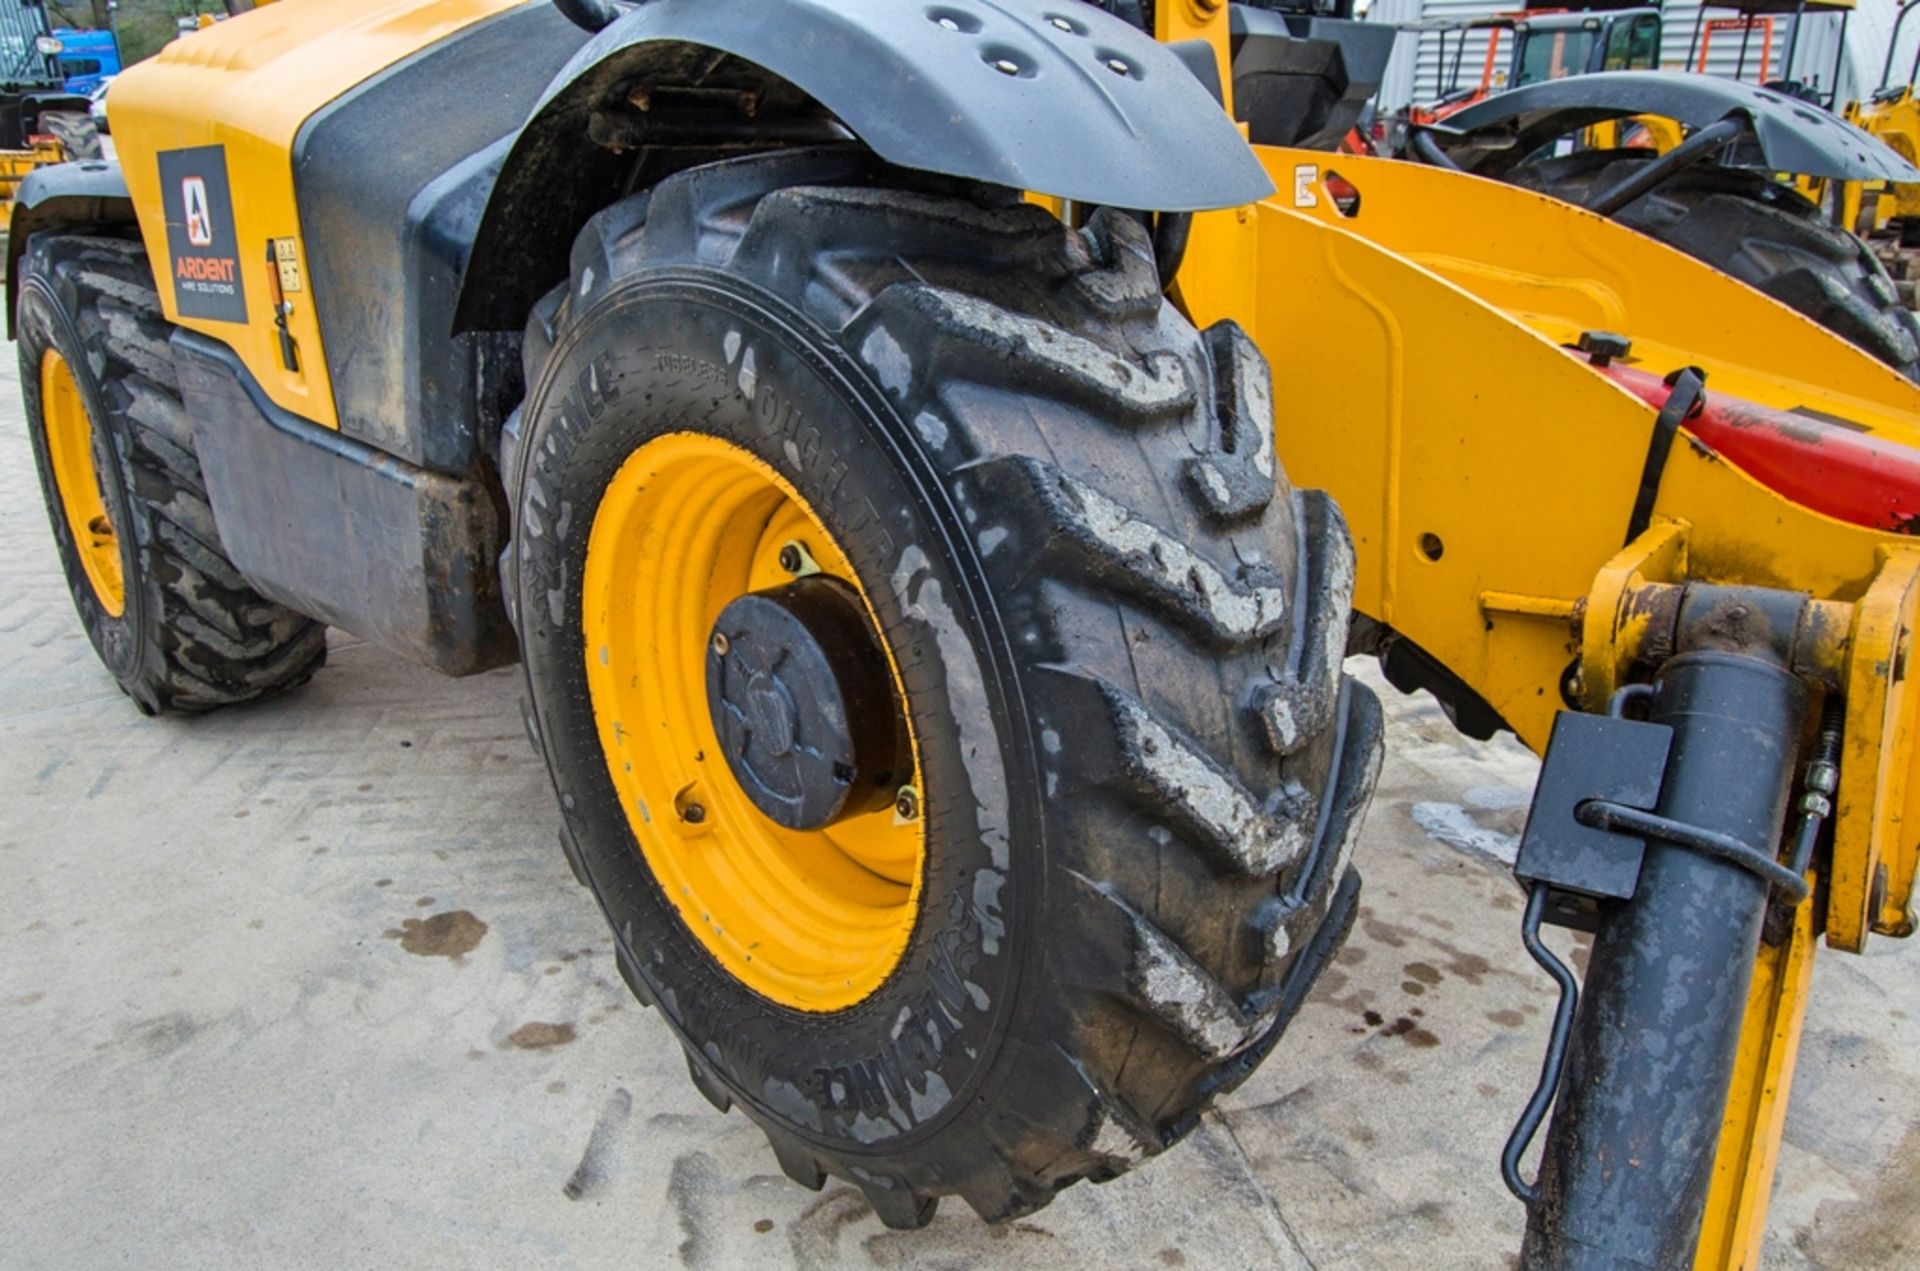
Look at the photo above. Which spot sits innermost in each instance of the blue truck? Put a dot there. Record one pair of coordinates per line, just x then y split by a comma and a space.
87, 58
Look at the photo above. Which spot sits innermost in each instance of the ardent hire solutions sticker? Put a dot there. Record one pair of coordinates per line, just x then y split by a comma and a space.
201, 237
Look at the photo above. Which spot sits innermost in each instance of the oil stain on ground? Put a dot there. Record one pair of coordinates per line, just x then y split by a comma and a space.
540, 1035
448, 935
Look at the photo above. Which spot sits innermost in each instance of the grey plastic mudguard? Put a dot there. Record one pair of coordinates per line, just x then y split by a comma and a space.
1056, 97
1792, 135
89, 192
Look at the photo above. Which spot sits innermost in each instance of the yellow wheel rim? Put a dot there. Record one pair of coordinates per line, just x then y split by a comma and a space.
69, 432
814, 920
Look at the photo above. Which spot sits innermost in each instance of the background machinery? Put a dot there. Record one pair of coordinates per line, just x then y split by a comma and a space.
1718, 195
1512, 50
931, 618
1887, 213
1587, 131
41, 120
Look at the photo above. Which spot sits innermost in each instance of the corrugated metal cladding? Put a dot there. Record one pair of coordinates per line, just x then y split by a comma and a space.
1420, 75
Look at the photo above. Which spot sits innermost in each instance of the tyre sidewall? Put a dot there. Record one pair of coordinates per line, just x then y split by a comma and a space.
44, 320
662, 354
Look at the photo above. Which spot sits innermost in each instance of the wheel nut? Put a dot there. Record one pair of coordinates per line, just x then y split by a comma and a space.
694, 814
720, 643
790, 558
906, 805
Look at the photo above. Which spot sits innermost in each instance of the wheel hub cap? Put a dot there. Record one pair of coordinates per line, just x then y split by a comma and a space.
798, 689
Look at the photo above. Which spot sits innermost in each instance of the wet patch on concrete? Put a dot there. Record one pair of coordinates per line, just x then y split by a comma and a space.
1408, 1027
540, 1035
1422, 972
691, 1186
446, 935
1382, 932
1878, 1230
163, 1035
814, 1237
598, 1160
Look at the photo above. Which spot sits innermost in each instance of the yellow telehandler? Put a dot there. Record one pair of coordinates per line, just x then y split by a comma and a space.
1887, 213
931, 469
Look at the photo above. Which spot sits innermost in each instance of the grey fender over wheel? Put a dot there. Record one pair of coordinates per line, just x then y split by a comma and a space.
1119, 633
1064, 100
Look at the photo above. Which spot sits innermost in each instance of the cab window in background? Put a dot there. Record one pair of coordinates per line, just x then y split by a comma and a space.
1555, 54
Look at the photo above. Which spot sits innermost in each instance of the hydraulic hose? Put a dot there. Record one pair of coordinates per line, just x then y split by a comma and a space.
1684, 155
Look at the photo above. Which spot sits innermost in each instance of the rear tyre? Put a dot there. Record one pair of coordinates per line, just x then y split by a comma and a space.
174, 622
1117, 634
1759, 231
78, 135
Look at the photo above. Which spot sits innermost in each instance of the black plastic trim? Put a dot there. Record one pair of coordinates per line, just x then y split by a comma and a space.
343, 532
390, 179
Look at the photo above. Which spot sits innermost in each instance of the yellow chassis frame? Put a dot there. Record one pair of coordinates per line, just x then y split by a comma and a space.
1422, 374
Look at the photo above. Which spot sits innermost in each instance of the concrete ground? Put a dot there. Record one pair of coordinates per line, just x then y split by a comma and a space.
310, 985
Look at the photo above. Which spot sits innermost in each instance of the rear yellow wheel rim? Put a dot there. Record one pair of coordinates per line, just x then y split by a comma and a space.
814, 920
70, 450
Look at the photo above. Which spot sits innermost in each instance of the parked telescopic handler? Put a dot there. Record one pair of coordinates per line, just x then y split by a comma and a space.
931, 467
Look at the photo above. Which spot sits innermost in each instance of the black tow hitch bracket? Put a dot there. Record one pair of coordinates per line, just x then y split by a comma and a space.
1653, 835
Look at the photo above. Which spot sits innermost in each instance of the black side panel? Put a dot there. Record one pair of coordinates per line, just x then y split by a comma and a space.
1301, 80
341, 531
391, 179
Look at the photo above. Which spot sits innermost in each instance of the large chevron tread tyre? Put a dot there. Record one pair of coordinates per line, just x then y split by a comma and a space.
1113, 638
174, 623
1757, 230
78, 135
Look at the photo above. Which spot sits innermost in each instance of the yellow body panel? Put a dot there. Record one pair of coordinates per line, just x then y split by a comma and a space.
1418, 375
1896, 121
1644, 132
248, 84
1177, 21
